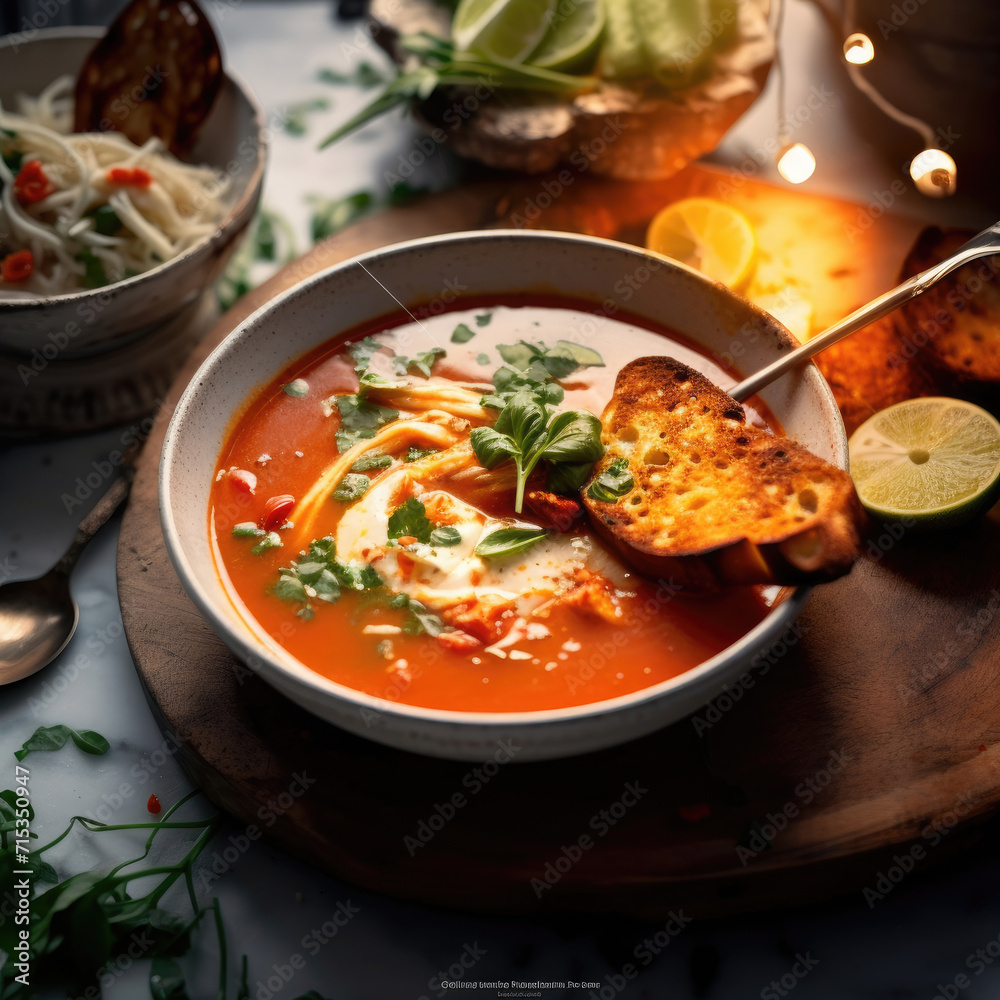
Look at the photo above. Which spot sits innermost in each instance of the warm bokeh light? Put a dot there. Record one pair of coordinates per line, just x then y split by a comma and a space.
796, 163
858, 49
934, 173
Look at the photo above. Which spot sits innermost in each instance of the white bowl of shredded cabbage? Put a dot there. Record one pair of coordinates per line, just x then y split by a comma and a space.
101, 240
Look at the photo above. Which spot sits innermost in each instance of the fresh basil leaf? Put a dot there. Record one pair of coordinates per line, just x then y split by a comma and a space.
509, 542
462, 334
446, 536
519, 355
522, 420
422, 621
327, 586
272, 540
372, 460
290, 588
356, 576
573, 436
492, 447
568, 477
352, 487
410, 519
50, 738
483, 319
372, 380
585, 357
558, 362
360, 419
613, 483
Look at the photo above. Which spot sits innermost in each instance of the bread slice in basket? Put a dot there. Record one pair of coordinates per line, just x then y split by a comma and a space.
715, 501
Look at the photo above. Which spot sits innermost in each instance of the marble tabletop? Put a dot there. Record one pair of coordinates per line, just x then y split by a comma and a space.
936, 935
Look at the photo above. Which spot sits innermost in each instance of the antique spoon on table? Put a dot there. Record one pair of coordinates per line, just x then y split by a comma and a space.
983, 244
38, 617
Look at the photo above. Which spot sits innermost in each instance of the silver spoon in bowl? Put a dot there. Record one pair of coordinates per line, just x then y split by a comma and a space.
983, 244
38, 617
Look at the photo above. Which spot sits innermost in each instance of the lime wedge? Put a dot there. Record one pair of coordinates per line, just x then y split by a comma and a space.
934, 460
504, 29
573, 37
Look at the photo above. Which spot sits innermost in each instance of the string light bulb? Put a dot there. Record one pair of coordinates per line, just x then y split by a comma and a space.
934, 172
858, 49
796, 163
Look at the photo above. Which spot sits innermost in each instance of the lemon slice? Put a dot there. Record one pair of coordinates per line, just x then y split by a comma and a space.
504, 29
933, 460
710, 235
573, 38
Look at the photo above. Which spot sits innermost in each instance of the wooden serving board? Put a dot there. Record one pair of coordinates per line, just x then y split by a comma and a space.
872, 742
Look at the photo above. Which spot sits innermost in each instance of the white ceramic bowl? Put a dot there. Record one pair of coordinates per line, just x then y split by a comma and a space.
233, 139
478, 263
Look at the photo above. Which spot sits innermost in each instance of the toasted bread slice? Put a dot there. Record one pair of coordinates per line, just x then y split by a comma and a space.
956, 323
874, 369
716, 501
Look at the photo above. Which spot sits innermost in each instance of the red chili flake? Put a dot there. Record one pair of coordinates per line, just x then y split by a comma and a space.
695, 812
153, 804
32, 183
17, 266
277, 509
130, 177
245, 482
982, 747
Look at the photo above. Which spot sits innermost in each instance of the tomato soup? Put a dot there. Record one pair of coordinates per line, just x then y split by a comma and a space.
399, 509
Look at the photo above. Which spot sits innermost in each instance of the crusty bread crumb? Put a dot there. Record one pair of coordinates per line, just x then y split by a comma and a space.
715, 501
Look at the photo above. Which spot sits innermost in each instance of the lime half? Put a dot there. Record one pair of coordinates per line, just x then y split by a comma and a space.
572, 40
934, 461
505, 29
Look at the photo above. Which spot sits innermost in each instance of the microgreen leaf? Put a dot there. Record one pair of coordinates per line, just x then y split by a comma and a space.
613, 483
509, 542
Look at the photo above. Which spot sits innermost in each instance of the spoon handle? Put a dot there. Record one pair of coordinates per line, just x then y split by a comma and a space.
97, 518
981, 245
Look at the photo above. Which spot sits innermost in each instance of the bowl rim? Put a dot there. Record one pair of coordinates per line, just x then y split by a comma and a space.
275, 662
238, 207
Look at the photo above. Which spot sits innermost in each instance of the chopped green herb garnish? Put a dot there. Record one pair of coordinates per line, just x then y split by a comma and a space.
295, 114
298, 388
319, 575
613, 483
558, 362
106, 221
272, 540
483, 359
363, 351
360, 419
421, 621
414, 453
330, 215
372, 460
247, 529
95, 275
483, 319
352, 487
363, 75
422, 362
462, 334
410, 519
509, 542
